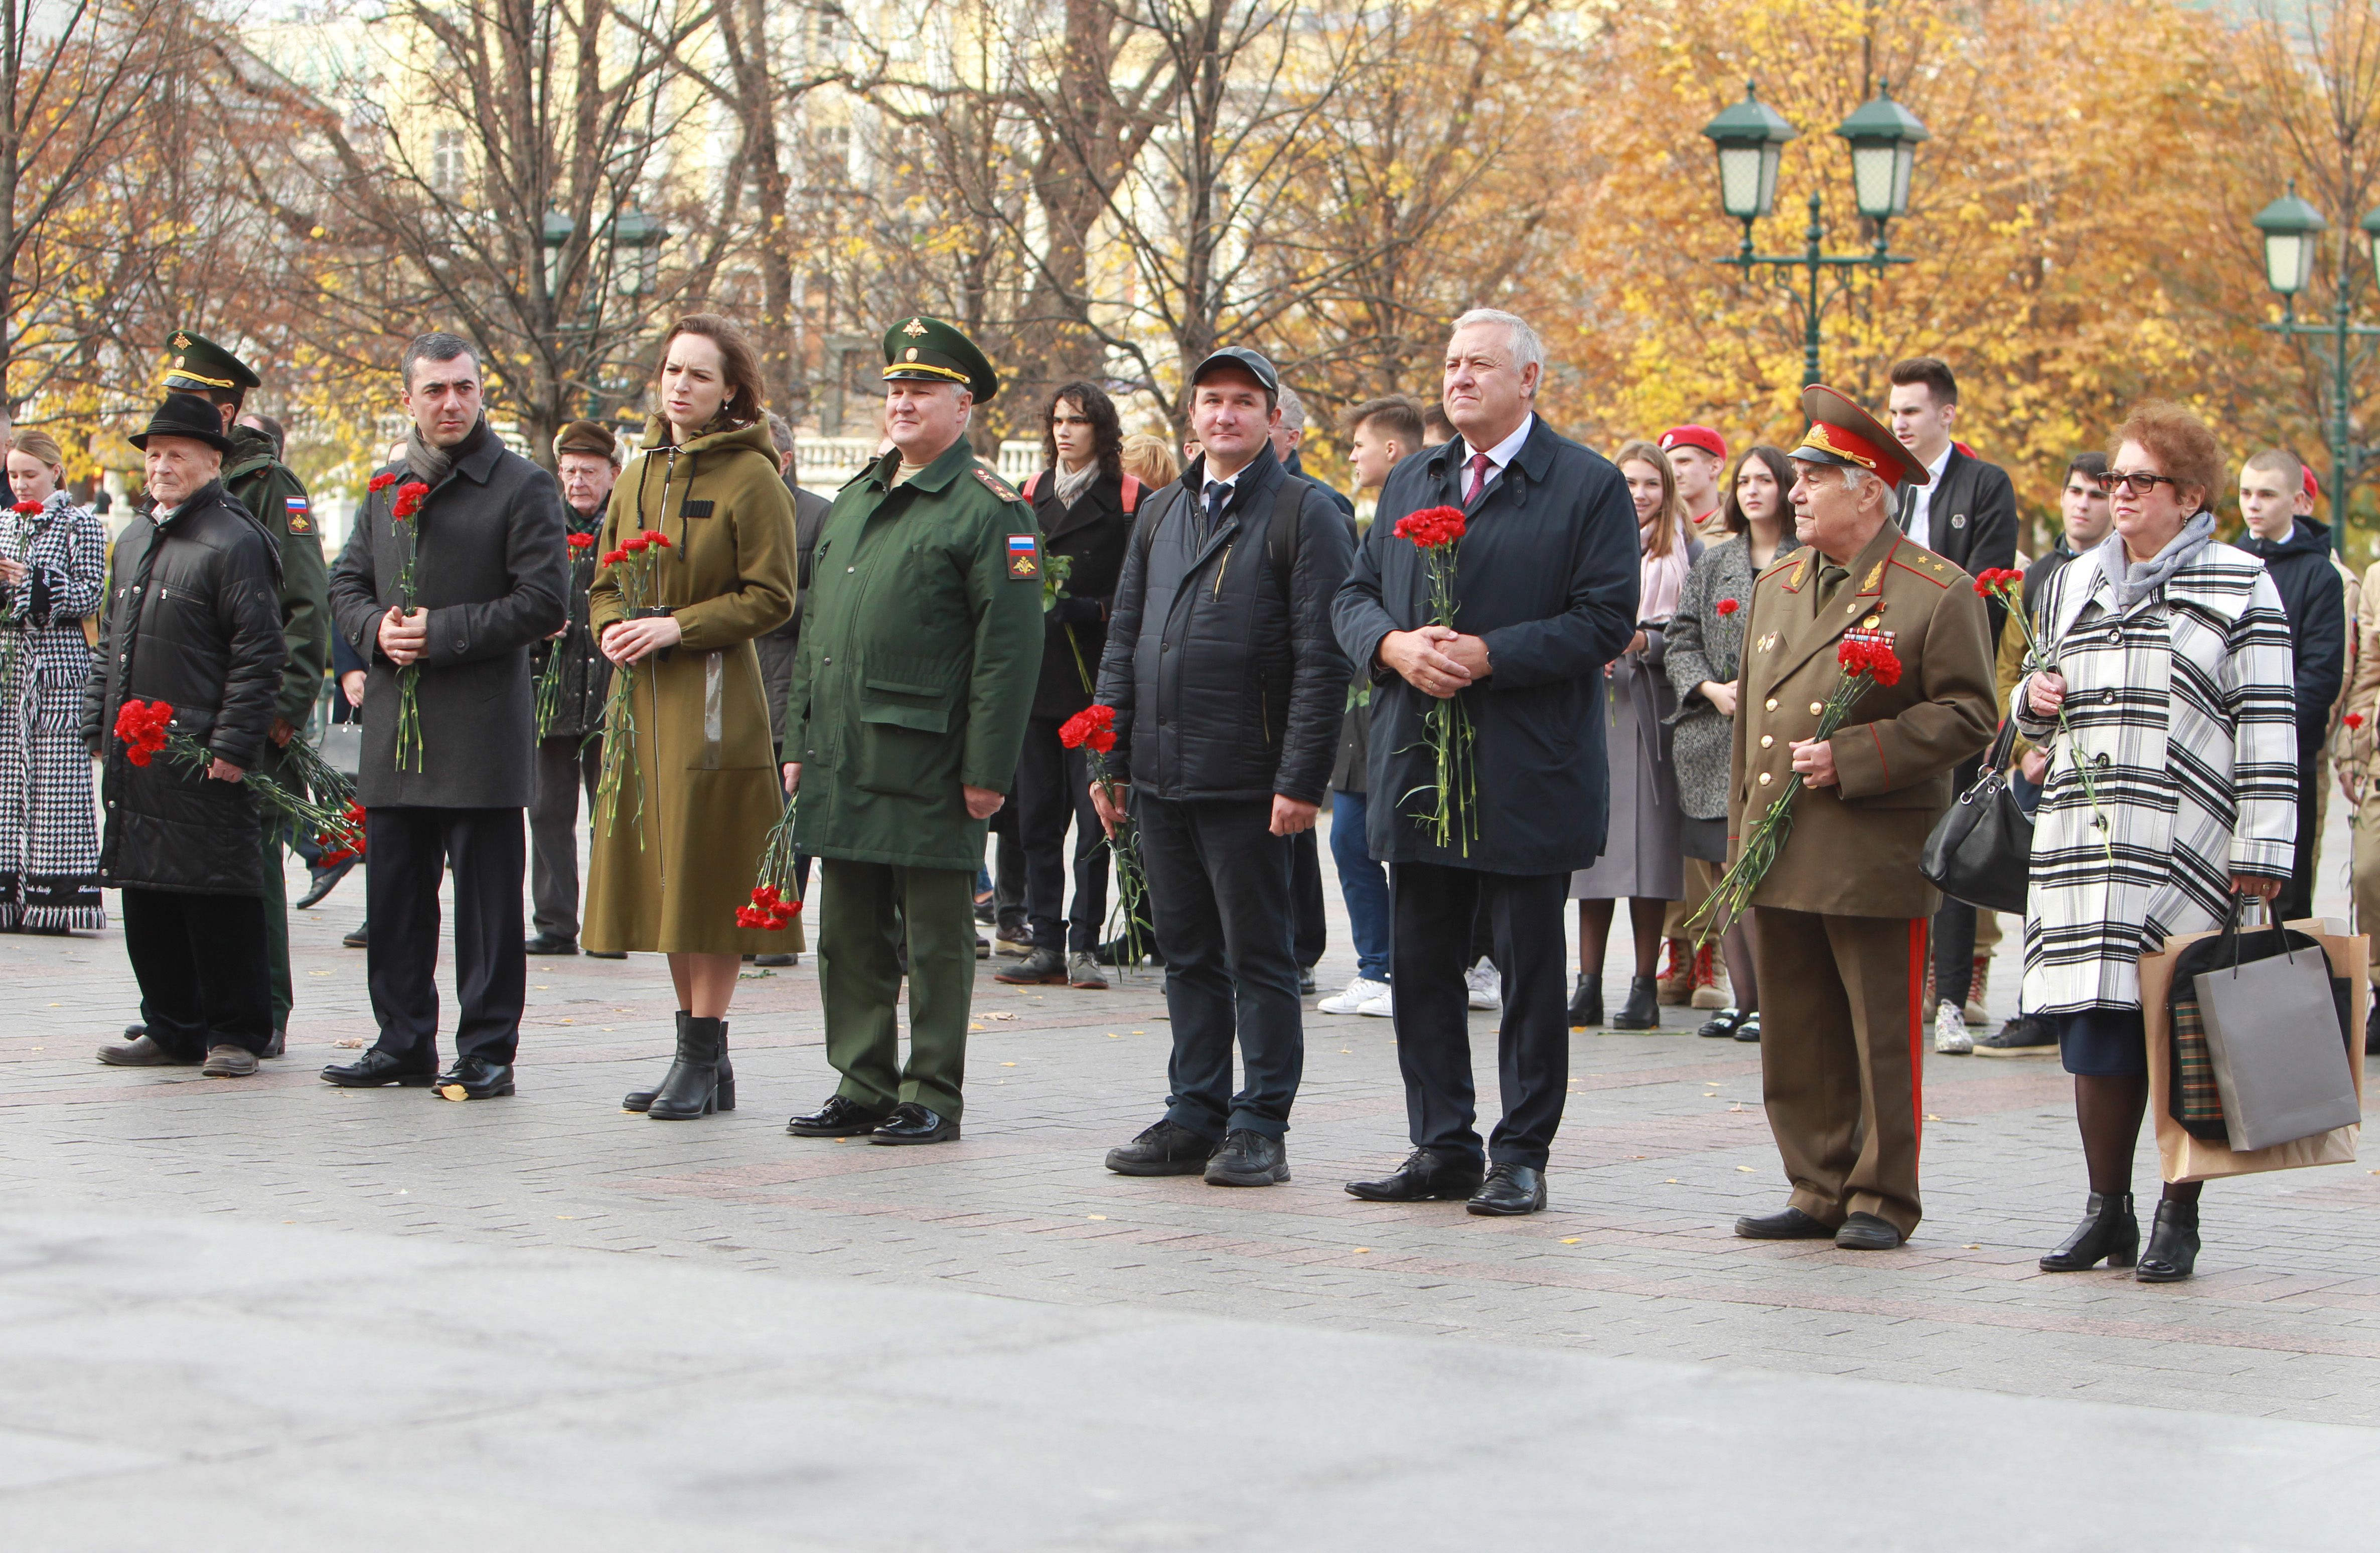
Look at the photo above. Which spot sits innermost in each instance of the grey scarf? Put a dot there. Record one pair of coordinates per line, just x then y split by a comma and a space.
429, 464
1070, 487
2133, 581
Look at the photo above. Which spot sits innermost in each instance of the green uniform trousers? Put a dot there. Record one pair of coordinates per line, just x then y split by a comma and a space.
1842, 1027
277, 920
865, 906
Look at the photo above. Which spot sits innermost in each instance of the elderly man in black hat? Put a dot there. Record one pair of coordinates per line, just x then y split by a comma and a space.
569, 744
453, 570
254, 476
1228, 686
193, 620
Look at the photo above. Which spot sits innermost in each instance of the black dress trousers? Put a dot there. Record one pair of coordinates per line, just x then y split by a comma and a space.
406, 852
1305, 892
1429, 950
1218, 894
200, 963
1053, 786
2296, 899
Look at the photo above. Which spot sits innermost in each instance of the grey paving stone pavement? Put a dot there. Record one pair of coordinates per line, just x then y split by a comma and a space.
273, 1313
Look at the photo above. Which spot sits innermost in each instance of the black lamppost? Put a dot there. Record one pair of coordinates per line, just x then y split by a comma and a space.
1751, 136
2292, 231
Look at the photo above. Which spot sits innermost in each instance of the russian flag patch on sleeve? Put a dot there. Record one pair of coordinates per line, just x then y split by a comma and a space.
1023, 555
301, 519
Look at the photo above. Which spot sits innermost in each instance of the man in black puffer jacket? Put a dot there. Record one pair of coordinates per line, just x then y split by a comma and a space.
193, 620
2296, 553
1227, 682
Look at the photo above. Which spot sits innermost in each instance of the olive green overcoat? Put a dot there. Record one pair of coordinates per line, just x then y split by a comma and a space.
702, 745
921, 646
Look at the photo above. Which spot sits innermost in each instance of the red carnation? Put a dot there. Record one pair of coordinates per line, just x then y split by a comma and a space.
655, 537
748, 917
1728, 607
409, 500
381, 483
1866, 655
614, 557
141, 726
2354, 720
1432, 527
1092, 726
26, 509
635, 546
582, 542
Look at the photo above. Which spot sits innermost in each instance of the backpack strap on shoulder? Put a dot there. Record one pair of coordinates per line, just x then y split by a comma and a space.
1031, 480
1132, 488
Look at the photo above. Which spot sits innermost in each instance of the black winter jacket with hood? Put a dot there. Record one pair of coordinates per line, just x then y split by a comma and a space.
192, 619
2316, 600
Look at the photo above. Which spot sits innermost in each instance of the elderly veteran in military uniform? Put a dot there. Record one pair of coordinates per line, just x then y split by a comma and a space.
1843, 910
254, 476
921, 646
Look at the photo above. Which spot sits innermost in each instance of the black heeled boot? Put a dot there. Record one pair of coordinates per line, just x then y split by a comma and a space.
2109, 1231
1643, 1009
691, 1087
642, 1099
1586, 1003
2172, 1251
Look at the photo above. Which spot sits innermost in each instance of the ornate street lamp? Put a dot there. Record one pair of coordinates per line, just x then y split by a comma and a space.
1750, 134
553, 236
2292, 231
642, 237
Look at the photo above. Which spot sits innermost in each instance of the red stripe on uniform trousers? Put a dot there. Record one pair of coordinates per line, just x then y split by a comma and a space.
1917, 1028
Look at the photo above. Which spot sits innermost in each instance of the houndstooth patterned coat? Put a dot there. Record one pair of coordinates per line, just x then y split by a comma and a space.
49, 839
2183, 705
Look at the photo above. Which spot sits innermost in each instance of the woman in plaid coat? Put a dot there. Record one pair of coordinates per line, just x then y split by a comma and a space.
2174, 673
53, 569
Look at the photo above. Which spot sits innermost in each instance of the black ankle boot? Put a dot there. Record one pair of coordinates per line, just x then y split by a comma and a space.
2172, 1251
1586, 1003
2109, 1231
691, 1087
642, 1099
1643, 1009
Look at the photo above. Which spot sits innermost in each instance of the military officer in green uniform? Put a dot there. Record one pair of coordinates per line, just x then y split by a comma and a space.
271, 491
921, 646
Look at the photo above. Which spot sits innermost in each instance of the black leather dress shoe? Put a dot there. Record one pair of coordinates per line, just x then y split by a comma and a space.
278, 1046
376, 1068
1424, 1177
141, 1051
1510, 1191
322, 882
360, 938
838, 1118
607, 954
1306, 987
1248, 1158
1167, 1148
776, 962
552, 943
1792, 1224
475, 1078
911, 1122
1866, 1231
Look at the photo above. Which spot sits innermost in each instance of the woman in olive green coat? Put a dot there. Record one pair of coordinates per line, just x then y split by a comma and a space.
707, 481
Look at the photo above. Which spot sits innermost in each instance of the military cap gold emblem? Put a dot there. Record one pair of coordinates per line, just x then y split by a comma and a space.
914, 328
181, 342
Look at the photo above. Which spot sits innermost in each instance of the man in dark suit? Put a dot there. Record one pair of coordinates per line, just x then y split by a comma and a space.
1547, 595
1965, 513
489, 581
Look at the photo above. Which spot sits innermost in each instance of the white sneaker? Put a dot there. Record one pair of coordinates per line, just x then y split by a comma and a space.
1487, 987
1382, 1005
1950, 1038
1360, 990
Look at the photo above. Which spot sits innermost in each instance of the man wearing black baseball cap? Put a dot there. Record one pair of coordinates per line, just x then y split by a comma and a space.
1227, 682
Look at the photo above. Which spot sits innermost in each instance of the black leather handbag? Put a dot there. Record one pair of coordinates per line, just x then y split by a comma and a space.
1981, 851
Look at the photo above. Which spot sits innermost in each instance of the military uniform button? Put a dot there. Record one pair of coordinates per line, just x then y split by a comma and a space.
1763, 779
1768, 739
1772, 703
1818, 707
848, 570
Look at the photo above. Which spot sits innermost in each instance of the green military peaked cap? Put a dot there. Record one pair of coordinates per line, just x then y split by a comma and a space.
194, 364
931, 350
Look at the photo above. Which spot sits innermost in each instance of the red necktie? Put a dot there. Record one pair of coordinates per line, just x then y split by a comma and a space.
1480, 465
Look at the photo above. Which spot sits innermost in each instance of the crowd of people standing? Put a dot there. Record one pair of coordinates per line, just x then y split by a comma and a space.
1165, 667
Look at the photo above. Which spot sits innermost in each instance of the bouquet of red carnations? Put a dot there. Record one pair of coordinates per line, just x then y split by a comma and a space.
549, 679
1866, 658
776, 895
2007, 585
1452, 817
403, 513
632, 567
147, 730
1092, 731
